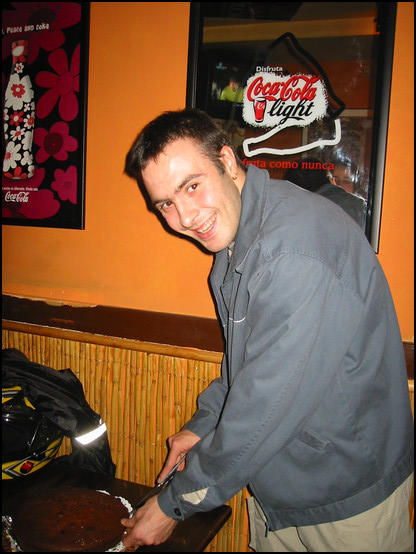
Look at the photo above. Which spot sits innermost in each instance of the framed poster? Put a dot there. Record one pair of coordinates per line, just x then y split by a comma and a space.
44, 82
300, 86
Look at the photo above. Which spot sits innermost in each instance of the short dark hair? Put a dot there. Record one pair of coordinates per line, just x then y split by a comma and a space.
173, 125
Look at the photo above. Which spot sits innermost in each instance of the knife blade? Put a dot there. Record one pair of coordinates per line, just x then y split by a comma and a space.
159, 486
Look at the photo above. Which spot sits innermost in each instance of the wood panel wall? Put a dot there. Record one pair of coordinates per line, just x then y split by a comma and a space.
144, 392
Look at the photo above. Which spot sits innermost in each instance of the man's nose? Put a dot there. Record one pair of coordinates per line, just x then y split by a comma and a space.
187, 213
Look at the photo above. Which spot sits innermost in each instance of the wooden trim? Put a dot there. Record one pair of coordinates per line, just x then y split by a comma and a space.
114, 342
409, 354
143, 330
145, 326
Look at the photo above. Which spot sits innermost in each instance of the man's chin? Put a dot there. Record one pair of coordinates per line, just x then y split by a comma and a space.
211, 246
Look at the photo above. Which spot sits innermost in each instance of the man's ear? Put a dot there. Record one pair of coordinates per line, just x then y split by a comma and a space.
229, 162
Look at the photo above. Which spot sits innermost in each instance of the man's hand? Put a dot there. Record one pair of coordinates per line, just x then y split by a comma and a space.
179, 445
148, 526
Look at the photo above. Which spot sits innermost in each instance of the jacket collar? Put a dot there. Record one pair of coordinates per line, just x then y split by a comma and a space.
253, 199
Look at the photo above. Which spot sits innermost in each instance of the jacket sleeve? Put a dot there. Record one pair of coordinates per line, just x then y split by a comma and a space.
299, 319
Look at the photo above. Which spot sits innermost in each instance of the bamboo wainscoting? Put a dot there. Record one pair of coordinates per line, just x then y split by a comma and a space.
144, 392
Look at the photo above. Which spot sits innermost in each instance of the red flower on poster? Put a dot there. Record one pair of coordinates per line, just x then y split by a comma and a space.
15, 118
42, 204
65, 184
63, 84
57, 142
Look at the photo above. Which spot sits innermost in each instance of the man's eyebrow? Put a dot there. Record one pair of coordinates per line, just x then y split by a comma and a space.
185, 181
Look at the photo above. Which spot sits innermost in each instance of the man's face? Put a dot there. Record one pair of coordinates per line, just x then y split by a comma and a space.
234, 85
343, 178
195, 199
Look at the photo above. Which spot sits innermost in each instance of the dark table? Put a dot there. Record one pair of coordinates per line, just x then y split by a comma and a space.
191, 535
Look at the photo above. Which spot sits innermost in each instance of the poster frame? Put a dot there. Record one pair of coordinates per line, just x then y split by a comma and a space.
54, 196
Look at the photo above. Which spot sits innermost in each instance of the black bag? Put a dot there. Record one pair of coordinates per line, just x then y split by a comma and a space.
58, 395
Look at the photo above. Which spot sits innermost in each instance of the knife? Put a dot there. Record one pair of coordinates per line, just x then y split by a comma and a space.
158, 487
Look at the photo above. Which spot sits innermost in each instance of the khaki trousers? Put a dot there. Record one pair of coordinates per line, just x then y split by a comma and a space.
384, 528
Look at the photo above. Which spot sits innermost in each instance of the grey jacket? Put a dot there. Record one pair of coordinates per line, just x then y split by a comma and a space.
312, 409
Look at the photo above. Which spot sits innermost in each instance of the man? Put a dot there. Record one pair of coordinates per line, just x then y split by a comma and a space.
312, 409
323, 183
343, 177
233, 92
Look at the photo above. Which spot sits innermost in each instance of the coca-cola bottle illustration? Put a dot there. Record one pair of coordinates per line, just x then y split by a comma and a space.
19, 116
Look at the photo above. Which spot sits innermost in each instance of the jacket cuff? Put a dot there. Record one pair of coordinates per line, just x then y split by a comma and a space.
170, 506
201, 423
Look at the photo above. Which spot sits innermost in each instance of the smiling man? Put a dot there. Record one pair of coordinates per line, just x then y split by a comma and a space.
194, 197
312, 411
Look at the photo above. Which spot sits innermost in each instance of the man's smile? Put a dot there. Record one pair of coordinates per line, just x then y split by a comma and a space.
205, 230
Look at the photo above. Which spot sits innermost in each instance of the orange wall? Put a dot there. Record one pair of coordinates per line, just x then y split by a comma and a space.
396, 252
138, 64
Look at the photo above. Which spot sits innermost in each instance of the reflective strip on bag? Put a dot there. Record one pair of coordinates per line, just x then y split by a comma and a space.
91, 436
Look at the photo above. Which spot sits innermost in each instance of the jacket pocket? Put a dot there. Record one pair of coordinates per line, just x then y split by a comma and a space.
311, 439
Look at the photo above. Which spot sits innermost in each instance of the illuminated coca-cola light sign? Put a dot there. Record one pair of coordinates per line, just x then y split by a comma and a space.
276, 102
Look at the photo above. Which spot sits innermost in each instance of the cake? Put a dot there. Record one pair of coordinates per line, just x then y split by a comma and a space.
69, 519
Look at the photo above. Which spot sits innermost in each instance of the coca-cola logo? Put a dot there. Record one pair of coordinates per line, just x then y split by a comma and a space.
277, 101
296, 87
272, 100
16, 196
